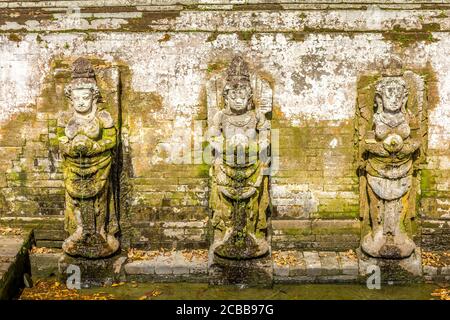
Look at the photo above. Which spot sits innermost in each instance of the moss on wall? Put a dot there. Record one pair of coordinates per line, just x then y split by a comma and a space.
407, 37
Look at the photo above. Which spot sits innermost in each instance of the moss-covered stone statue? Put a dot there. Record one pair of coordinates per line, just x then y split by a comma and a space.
87, 140
239, 198
390, 149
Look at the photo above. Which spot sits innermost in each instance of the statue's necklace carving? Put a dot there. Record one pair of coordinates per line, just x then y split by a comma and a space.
392, 120
239, 120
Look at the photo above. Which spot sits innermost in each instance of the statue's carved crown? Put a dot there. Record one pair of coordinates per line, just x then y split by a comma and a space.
82, 69
238, 72
393, 67
83, 77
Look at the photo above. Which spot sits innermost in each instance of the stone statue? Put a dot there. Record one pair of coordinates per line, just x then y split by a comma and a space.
239, 198
390, 150
87, 140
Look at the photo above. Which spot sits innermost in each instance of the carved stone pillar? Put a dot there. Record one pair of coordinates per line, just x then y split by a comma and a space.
390, 131
87, 137
239, 137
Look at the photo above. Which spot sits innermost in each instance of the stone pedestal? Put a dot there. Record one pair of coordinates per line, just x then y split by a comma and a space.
393, 270
253, 272
93, 272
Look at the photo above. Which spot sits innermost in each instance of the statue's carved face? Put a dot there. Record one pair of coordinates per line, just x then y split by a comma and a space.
82, 100
393, 95
238, 99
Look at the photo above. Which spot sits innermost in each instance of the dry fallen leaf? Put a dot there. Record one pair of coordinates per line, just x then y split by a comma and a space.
285, 258
136, 255
8, 231
117, 284
200, 254
35, 249
351, 255
443, 293
435, 259
53, 290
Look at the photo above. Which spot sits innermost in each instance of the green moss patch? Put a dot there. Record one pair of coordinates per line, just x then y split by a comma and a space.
406, 38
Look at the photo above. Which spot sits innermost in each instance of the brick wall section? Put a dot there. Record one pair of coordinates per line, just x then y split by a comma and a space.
30, 178
315, 234
317, 175
315, 191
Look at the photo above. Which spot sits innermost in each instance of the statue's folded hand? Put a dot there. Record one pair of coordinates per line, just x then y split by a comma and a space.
408, 148
64, 145
377, 149
95, 149
81, 145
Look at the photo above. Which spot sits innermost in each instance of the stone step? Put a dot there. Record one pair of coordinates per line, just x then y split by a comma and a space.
288, 266
165, 266
315, 266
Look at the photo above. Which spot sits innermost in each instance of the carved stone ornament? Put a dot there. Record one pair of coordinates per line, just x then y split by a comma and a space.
239, 135
87, 140
389, 149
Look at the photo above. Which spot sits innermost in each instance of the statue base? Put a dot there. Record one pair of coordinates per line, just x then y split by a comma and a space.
388, 247
91, 246
256, 272
92, 272
392, 271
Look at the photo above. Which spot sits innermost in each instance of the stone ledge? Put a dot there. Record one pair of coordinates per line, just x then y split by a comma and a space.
289, 266
315, 267
315, 19
176, 264
190, 4
308, 266
44, 265
13, 265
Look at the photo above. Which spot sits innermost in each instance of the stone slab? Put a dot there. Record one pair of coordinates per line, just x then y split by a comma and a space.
329, 263
140, 267
299, 268
348, 265
280, 270
313, 265
173, 266
44, 265
14, 263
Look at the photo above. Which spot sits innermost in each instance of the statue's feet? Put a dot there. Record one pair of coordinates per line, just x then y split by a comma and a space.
378, 245
91, 246
241, 247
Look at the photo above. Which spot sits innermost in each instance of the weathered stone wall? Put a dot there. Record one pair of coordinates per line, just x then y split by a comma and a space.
312, 54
